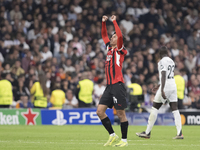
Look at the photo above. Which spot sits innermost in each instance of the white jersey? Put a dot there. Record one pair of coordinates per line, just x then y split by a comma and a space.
168, 65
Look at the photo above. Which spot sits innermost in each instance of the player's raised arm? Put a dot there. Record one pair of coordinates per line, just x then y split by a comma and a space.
104, 30
118, 32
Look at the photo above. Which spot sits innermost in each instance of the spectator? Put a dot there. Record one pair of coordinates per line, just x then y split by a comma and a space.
40, 92
45, 54
180, 84
21, 90
26, 61
71, 101
190, 62
98, 90
17, 68
15, 13
57, 96
5, 91
84, 91
24, 102
193, 40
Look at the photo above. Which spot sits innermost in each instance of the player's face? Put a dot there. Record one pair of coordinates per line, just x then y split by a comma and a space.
113, 40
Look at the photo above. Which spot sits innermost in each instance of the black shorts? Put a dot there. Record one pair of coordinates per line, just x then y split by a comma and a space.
114, 95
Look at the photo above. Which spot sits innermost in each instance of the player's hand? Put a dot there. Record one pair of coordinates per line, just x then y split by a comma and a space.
104, 18
113, 17
163, 95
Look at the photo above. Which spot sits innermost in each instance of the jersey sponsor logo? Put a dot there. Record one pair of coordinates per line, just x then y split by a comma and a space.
108, 58
114, 99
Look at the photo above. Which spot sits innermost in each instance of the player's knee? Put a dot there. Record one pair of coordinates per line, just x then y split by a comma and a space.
99, 112
173, 106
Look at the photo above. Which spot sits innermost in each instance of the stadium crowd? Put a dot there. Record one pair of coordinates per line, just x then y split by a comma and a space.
62, 39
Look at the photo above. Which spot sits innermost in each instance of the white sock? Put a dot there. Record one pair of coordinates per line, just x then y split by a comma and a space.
152, 119
113, 134
177, 118
124, 140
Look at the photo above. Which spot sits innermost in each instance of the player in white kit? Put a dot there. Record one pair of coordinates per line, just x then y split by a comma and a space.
166, 92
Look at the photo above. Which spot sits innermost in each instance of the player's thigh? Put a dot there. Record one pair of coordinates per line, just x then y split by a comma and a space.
106, 98
172, 95
119, 96
158, 97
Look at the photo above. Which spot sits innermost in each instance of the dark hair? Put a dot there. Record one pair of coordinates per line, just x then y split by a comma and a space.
124, 38
163, 51
42, 80
133, 80
3, 75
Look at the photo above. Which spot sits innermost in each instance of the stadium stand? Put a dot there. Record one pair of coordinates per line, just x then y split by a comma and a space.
62, 39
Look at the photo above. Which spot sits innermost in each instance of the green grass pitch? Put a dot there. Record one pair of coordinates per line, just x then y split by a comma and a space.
83, 137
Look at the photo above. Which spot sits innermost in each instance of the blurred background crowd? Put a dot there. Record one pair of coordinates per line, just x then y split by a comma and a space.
61, 39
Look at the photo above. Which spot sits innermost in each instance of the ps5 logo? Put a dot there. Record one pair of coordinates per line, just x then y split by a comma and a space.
59, 118
75, 116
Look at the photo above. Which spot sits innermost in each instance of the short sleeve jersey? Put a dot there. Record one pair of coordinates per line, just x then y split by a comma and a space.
168, 65
113, 64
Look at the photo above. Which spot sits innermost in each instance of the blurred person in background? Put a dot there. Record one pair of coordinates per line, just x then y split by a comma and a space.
135, 89
24, 102
40, 92
57, 96
180, 85
84, 91
98, 91
6, 95
71, 101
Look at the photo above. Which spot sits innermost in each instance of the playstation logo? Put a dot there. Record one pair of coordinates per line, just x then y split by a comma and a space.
59, 118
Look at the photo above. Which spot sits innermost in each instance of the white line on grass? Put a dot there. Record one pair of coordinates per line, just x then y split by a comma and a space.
75, 143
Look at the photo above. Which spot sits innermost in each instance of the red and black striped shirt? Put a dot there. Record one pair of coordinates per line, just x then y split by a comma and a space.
115, 56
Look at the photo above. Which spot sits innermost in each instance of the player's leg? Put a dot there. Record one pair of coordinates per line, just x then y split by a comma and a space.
153, 116
119, 98
101, 109
124, 128
177, 119
105, 102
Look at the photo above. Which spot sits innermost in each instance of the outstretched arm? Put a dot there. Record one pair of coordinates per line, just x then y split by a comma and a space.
118, 32
104, 30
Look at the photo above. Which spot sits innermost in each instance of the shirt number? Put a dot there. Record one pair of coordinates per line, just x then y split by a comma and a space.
171, 69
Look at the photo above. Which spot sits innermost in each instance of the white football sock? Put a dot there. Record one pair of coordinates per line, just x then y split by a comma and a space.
177, 118
152, 119
124, 140
113, 134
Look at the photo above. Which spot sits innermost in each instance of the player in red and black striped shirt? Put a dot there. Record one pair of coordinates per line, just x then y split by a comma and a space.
115, 92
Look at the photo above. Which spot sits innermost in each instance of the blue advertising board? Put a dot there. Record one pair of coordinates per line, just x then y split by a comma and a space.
142, 119
73, 116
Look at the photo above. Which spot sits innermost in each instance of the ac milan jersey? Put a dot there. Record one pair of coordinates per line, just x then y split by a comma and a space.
113, 64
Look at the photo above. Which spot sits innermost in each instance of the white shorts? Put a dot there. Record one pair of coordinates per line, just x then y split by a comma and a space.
170, 94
